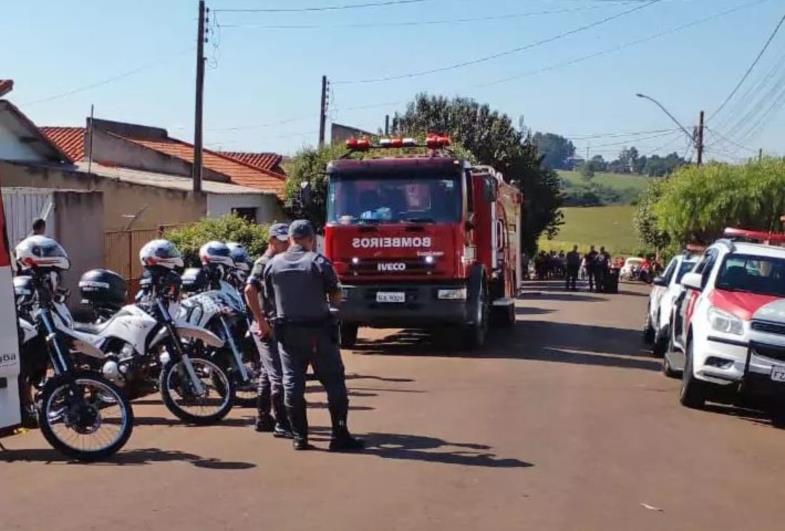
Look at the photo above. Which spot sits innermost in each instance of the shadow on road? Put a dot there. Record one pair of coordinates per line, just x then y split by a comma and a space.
175, 422
143, 456
561, 296
529, 340
432, 450
530, 310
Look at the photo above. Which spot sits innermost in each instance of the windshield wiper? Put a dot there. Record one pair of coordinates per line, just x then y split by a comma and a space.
419, 220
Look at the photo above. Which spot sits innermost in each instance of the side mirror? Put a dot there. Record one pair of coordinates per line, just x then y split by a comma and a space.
692, 281
660, 281
306, 193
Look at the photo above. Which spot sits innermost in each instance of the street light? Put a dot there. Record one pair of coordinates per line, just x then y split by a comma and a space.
697, 140
661, 106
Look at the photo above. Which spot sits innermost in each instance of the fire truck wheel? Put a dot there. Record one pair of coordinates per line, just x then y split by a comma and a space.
475, 333
349, 335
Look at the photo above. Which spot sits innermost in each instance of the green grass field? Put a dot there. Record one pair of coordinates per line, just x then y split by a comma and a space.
611, 226
617, 181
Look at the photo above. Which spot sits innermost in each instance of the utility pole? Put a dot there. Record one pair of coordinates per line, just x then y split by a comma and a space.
760, 154
199, 103
699, 140
386, 125
323, 112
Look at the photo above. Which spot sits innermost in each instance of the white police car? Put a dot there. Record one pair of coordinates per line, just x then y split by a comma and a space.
666, 290
732, 334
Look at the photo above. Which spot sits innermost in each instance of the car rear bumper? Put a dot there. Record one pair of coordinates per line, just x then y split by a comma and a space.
422, 307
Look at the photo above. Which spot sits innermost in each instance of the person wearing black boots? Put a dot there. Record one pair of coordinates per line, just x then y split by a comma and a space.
299, 283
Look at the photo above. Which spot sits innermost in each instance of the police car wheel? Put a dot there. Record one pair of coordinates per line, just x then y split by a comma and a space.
693, 392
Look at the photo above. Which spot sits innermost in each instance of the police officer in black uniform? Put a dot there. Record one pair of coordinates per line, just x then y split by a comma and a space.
299, 283
270, 395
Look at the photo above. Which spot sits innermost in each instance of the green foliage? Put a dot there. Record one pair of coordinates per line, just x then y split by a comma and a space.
309, 165
229, 228
494, 140
586, 171
611, 226
697, 203
603, 189
646, 223
555, 150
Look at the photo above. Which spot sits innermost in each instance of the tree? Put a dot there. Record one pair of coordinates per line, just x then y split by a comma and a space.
698, 202
492, 138
555, 149
586, 170
229, 228
309, 166
646, 224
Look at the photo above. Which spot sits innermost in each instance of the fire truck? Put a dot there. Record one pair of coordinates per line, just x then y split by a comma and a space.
422, 241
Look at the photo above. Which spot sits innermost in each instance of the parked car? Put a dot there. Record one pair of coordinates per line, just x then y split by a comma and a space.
631, 268
731, 339
666, 290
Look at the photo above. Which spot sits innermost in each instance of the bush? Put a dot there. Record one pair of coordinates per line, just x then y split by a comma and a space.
229, 228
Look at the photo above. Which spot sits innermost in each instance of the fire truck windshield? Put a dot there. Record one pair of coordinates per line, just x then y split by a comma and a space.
361, 199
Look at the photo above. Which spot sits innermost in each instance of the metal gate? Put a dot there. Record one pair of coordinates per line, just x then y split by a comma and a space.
121, 252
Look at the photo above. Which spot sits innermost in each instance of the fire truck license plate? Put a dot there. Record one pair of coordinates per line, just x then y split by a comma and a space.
778, 374
390, 296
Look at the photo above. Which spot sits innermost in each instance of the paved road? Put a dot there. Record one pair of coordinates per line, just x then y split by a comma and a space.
563, 424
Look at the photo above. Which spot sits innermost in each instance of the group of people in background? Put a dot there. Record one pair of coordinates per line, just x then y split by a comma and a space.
593, 266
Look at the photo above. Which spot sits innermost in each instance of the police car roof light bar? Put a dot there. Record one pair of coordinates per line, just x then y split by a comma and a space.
754, 235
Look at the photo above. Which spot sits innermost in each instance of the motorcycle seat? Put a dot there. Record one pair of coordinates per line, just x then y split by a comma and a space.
90, 328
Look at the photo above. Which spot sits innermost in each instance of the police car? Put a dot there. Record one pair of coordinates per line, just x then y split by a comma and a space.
731, 338
666, 291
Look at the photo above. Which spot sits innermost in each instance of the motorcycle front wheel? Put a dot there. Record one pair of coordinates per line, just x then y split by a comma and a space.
210, 405
85, 416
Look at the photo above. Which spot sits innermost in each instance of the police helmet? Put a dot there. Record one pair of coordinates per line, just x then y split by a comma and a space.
41, 252
161, 253
216, 253
242, 261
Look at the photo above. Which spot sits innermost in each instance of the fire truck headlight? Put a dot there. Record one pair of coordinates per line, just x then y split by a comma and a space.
458, 294
430, 260
355, 261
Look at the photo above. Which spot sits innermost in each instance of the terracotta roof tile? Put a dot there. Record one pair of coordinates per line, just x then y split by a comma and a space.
239, 172
70, 140
263, 161
6, 86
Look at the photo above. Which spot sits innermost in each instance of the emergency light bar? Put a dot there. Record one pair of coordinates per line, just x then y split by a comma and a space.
754, 235
364, 144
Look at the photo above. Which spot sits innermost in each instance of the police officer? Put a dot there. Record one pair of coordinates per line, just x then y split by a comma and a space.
270, 380
299, 282
573, 262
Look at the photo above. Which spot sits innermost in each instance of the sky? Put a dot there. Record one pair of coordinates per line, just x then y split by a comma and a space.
553, 65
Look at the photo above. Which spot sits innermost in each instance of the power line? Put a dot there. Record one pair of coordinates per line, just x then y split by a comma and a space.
749, 70
617, 134
112, 79
505, 53
320, 8
415, 22
726, 139
620, 47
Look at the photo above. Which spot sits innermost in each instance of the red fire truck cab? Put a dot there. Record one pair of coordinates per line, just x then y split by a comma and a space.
422, 241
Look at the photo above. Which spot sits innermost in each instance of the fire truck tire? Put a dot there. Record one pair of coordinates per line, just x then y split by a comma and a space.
476, 332
349, 335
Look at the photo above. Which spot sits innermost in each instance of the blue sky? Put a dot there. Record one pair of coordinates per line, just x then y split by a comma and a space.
262, 84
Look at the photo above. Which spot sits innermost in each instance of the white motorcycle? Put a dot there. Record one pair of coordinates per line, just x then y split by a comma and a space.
144, 340
79, 412
218, 306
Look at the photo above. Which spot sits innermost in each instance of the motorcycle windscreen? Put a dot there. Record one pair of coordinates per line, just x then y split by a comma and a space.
9, 344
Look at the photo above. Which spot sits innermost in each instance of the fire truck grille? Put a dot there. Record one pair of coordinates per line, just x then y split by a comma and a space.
768, 327
392, 266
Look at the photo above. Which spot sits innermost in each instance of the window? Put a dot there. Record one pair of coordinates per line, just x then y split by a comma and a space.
668, 274
764, 275
247, 213
418, 198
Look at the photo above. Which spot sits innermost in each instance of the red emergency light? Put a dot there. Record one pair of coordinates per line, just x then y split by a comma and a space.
397, 142
754, 235
437, 141
358, 144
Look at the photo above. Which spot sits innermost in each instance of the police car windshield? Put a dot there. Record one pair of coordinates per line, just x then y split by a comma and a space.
764, 275
685, 267
398, 198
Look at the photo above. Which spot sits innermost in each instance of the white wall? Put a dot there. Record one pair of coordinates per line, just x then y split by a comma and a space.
267, 208
22, 206
10, 146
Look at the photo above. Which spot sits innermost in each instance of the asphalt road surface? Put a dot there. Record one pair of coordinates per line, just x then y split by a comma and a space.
563, 422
